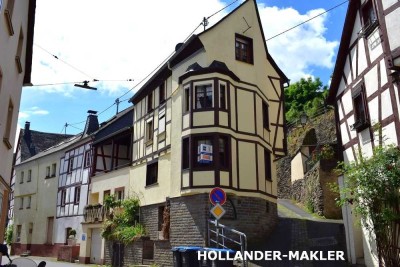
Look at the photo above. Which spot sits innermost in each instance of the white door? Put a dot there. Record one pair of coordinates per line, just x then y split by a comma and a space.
95, 251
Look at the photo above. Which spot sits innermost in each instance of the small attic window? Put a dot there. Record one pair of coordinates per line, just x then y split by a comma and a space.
370, 20
244, 48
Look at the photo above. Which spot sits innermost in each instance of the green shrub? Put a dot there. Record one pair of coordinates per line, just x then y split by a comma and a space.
9, 235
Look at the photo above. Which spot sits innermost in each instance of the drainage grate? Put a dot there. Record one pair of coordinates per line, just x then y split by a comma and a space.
323, 241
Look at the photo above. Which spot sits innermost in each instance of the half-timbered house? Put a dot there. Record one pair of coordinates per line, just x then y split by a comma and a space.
35, 196
112, 154
73, 182
212, 116
51, 190
365, 93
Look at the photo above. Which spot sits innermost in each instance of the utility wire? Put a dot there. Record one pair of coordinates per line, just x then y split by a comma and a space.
94, 80
222, 9
66, 63
154, 70
169, 56
326, 11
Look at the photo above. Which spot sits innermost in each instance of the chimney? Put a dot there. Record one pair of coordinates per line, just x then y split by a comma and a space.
27, 126
178, 45
92, 123
27, 131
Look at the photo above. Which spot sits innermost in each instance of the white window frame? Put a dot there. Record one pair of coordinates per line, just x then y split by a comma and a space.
161, 121
194, 91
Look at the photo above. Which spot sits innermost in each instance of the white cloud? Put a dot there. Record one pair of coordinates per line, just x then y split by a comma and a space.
300, 50
128, 39
110, 41
31, 112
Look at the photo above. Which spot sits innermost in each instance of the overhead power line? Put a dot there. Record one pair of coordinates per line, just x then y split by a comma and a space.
326, 11
66, 63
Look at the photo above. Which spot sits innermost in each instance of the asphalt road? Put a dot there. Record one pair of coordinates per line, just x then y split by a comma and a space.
51, 262
299, 232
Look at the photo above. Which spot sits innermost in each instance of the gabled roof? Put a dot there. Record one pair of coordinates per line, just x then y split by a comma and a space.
191, 46
34, 142
269, 57
343, 49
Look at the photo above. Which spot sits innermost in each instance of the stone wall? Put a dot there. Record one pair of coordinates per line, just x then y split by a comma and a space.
188, 221
163, 253
284, 177
149, 219
314, 191
189, 216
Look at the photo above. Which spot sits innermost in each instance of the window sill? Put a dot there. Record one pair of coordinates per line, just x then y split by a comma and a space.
369, 28
203, 109
149, 142
248, 62
6, 141
359, 126
151, 185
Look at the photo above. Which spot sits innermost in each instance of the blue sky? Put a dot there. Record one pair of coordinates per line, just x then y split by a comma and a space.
114, 43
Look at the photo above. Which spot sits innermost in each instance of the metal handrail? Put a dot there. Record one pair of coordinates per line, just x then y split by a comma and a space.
218, 226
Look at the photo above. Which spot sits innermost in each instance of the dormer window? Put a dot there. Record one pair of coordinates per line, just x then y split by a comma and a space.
370, 20
244, 48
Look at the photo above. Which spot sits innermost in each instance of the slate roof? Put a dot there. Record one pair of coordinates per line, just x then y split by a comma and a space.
33, 142
117, 124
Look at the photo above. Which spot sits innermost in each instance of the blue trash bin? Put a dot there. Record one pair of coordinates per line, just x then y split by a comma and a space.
185, 256
189, 256
177, 259
220, 262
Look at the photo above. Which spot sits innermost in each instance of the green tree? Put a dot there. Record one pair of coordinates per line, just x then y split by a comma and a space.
307, 95
372, 188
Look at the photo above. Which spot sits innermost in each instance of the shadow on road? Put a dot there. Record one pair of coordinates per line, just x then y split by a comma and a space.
300, 235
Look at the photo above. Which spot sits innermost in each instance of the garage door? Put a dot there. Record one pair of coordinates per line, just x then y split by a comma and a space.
95, 252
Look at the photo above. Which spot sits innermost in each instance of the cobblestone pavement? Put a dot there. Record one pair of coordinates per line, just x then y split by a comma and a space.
299, 231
